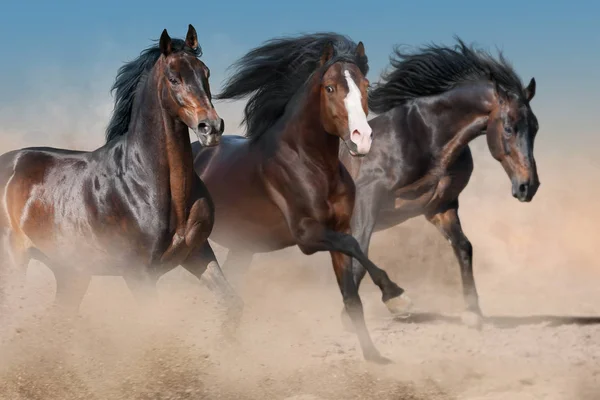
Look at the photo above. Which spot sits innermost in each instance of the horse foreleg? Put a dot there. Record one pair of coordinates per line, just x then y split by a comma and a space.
70, 290
236, 266
143, 288
448, 223
364, 218
353, 307
204, 265
357, 270
14, 259
311, 237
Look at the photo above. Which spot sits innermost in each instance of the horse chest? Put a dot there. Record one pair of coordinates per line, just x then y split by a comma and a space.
339, 206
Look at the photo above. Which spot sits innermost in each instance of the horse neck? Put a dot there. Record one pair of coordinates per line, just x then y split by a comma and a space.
304, 130
162, 146
456, 118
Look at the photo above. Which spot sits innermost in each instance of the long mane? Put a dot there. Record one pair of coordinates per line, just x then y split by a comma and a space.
128, 81
434, 69
275, 71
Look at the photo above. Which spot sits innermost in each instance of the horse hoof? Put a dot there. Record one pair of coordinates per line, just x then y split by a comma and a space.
399, 306
347, 322
229, 331
472, 319
230, 326
377, 358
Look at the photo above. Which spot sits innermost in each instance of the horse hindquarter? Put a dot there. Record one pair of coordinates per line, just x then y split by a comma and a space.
13, 243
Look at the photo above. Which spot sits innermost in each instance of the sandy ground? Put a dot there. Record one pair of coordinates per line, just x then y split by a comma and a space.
291, 344
536, 270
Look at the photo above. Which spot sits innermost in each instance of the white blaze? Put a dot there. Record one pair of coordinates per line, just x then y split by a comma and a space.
360, 131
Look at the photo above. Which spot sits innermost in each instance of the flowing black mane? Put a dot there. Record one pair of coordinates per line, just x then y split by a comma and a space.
127, 82
276, 70
433, 69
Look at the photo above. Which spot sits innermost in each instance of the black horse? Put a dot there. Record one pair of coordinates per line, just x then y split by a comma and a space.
431, 104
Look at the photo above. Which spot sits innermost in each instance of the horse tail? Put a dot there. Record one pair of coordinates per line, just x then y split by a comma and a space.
7, 169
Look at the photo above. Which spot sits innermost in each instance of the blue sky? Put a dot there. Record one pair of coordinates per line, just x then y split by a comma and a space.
76, 46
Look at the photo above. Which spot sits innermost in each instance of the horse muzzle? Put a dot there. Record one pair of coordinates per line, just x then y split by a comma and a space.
524, 190
209, 132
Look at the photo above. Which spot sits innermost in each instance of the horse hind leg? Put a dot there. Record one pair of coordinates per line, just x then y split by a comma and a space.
236, 267
448, 223
14, 259
70, 290
71, 286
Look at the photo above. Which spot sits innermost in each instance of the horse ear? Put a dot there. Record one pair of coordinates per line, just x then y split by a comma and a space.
530, 90
327, 53
191, 40
360, 49
165, 45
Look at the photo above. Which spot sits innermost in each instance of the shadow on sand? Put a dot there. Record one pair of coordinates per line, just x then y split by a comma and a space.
502, 321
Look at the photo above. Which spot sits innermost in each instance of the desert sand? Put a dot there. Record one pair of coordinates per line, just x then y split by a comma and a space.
535, 267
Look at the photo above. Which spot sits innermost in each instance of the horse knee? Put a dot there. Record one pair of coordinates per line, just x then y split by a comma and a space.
358, 272
465, 247
352, 303
308, 249
307, 239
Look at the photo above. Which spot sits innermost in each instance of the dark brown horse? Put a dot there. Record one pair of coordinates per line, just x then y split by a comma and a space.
284, 185
432, 104
132, 208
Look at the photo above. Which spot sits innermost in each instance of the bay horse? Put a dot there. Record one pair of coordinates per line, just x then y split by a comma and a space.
283, 184
430, 105
134, 207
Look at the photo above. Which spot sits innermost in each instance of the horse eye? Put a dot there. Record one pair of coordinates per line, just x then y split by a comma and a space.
329, 89
173, 81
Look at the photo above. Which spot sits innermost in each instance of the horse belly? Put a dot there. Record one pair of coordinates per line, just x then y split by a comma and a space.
69, 238
256, 229
390, 217
398, 209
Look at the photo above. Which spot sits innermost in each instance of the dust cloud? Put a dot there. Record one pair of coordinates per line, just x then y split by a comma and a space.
536, 259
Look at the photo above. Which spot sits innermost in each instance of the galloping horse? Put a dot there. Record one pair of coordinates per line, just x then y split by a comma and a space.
431, 105
134, 207
284, 185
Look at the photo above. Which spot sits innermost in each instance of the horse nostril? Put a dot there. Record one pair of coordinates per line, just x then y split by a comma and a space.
204, 128
523, 188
